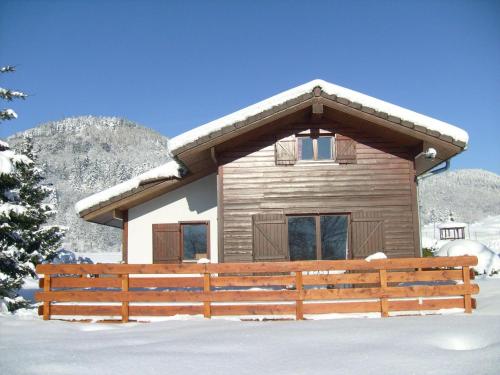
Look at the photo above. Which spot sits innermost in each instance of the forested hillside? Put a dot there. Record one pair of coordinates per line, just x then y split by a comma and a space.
83, 155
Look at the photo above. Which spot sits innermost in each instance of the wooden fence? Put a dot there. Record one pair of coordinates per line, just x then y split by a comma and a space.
122, 291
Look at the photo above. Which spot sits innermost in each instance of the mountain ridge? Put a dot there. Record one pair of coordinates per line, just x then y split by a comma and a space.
469, 194
83, 155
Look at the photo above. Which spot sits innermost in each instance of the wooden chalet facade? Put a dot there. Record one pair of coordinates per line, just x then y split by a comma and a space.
317, 172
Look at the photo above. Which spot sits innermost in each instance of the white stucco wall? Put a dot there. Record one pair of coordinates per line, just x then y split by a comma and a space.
196, 201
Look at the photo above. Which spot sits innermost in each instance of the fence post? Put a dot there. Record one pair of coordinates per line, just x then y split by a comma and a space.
125, 312
384, 306
206, 290
467, 297
299, 304
46, 304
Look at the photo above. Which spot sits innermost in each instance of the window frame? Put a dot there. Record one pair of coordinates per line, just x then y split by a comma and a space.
314, 136
317, 218
181, 234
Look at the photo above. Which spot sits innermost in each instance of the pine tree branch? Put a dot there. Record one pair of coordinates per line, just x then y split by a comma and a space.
7, 114
7, 69
8, 94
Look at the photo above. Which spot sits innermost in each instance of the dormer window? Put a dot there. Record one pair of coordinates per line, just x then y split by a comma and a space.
315, 148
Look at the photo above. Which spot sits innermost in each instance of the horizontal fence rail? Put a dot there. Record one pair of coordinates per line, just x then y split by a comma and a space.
385, 286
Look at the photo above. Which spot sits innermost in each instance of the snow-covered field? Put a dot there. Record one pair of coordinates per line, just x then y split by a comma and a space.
440, 344
486, 231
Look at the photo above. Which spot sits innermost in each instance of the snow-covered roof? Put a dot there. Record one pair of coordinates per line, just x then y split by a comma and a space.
331, 89
452, 224
165, 171
171, 169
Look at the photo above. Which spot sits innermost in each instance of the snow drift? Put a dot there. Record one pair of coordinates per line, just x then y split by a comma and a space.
488, 260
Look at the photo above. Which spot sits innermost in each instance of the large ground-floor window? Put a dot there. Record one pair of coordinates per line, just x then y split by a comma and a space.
313, 237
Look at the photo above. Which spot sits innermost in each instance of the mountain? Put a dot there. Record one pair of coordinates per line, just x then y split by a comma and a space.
83, 155
470, 194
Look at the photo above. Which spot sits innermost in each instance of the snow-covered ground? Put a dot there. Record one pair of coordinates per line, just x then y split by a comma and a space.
440, 344
486, 231
107, 257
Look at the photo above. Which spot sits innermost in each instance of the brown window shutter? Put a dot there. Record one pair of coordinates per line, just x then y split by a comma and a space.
286, 152
166, 243
345, 149
269, 238
367, 234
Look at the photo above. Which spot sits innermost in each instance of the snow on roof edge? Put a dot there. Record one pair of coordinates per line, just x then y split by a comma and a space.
331, 89
167, 170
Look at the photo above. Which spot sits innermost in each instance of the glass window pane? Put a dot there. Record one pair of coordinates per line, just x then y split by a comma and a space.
305, 148
324, 148
194, 241
333, 237
302, 237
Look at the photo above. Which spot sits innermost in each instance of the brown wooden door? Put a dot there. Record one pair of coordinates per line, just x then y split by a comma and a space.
367, 234
166, 243
269, 238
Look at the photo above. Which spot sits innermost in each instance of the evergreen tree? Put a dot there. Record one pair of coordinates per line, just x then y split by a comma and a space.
25, 240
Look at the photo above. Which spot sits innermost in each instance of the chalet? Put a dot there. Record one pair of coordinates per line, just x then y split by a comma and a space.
315, 172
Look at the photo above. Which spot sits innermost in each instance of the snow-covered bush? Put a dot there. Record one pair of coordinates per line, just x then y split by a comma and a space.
64, 256
488, 260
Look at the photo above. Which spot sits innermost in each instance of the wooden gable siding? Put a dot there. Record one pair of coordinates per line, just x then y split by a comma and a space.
381, 181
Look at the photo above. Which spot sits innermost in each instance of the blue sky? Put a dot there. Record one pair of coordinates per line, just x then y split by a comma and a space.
174, 65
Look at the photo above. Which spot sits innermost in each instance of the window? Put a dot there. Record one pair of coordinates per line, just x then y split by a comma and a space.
194, 241
302, 237
177, 242
333, 233
312, 237
315, 145
315, 148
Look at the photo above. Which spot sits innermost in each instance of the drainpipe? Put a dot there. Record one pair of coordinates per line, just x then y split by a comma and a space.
435, 171
430, 154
